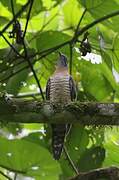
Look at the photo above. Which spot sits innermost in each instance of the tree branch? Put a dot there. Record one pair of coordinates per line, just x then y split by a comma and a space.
28, 17
49, 51
88, 26
14, 49
78, 25
15, 17
26, 54
31, 111
42, 55
33, 71
7, 177
109, 173
26, 95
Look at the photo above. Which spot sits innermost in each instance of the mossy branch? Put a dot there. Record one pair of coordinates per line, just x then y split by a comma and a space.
30, 111
109, 173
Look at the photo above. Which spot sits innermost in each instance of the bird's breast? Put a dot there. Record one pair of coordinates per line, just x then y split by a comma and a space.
60, 90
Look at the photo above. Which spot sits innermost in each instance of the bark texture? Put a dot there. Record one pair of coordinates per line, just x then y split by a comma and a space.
86, 113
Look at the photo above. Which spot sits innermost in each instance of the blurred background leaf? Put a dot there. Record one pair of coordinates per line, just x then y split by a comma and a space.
52, 23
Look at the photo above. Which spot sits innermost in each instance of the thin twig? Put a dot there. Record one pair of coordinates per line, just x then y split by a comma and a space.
47, 52
13, 74
13, 12
26, 54
14, 49
25, 95
50, 50
16, 16
43, 54
47, 23
28, 17
11, 62
15, 176
70, 161
80, 20
33, 71
74, 40
88, 26
66, 29
5, 175
13, 170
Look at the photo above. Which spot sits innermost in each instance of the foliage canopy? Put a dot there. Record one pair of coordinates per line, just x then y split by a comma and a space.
55, 25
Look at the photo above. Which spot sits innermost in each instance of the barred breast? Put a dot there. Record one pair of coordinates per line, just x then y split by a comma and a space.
60, 90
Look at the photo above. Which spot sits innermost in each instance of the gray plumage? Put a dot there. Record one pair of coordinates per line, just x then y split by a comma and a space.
60, 89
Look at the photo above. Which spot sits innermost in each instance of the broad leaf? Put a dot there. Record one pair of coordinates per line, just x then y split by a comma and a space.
29, 158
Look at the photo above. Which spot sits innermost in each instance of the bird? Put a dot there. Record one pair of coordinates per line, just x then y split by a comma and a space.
60, 89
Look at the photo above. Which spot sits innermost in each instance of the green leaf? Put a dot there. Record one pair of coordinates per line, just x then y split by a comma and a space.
93, 81
90, 4
77, 141
37, 7
100, 8
7, 55
13, 129
49, 39
112, 147
109, 76
57, 2
51, 24
96, 135
8, 5
72, 13
3, 20
37, 138
92, 158
15, 83
28, 157
115, 53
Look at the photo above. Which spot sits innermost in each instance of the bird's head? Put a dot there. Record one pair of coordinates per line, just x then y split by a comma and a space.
62, 61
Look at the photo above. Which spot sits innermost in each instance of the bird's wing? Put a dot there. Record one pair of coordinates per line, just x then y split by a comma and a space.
72, 88
48, 89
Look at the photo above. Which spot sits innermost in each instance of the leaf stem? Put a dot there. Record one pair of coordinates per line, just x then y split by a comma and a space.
70, 161
5, 175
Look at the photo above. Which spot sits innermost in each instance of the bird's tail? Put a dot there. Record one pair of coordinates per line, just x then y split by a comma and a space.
58, 136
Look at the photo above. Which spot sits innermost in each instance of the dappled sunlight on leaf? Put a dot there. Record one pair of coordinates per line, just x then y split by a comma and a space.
91, 45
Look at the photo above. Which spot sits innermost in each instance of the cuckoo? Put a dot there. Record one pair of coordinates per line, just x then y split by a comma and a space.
61, 90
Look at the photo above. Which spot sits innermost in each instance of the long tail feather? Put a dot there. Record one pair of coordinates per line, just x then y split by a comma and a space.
58, 136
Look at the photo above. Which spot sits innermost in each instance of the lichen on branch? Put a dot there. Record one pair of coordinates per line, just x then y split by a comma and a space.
30, 111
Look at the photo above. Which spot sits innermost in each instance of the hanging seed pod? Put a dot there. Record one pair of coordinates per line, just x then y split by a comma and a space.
85, 46
16, 32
